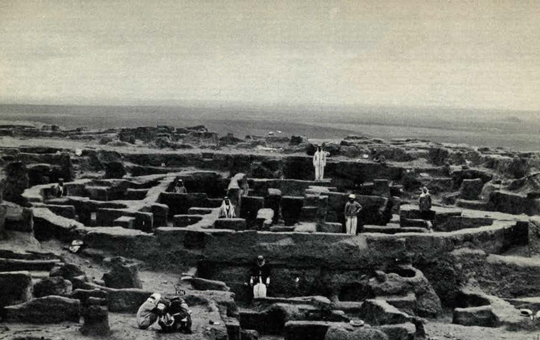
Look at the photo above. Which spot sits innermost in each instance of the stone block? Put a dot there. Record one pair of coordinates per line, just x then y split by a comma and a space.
180, 203
114, 170
473, 204
381, 187
364, 333
311, 199
291, 208
199, 211
405, 303
204, 284
30, 265
230, 223
233, 328
249, 334
273, 201
84, 295
482, 316
182, 221
161, 213
16, 286
98, 193
49, 309
52, 286
330, 227
96, 321
264, 218
250, 207
107, 216
282, 229
22, 221
126, 300
67, 270
127, 222
471, 188
308, 330
67, 211
309, 213
378, 312
144, 221
413, 222
123, 275
404, 331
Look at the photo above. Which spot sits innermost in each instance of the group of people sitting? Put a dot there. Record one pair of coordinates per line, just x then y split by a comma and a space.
171, 314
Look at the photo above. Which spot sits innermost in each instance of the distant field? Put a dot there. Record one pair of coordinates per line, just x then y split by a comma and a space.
507, 129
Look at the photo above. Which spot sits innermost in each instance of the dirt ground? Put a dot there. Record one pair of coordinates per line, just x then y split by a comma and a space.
443, 331
123, 327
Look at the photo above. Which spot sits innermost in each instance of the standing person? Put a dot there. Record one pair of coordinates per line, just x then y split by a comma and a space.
227, 209
424, 202
260, 277
352, 209
319, 162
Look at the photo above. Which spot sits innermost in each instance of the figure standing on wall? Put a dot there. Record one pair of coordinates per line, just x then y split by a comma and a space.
352, 209
424, 203
227, 209
319, 162
260, 277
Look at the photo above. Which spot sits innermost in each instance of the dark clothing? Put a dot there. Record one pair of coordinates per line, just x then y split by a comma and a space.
424, 202
260, 272
427, 215
352, 209
177, 316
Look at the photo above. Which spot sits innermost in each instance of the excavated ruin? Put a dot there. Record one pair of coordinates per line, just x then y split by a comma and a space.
474, 262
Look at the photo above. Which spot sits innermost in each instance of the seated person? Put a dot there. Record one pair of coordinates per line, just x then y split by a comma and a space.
226, 210
178, 187
260, 277
148, 312
177, 317
171, 314
58, 189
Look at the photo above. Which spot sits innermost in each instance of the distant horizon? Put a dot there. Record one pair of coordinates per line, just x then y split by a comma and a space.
266, 106
517, 130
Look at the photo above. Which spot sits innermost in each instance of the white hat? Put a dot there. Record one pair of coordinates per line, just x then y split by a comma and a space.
156, 297
353, 196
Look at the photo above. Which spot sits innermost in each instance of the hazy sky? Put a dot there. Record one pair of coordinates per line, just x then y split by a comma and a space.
477, 54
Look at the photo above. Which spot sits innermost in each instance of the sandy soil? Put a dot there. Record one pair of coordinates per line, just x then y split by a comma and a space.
123, 327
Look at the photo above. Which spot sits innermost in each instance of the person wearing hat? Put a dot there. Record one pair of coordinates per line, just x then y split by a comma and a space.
149, 311
226, 210
352, 209
260, 277
319, 162
179, 187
